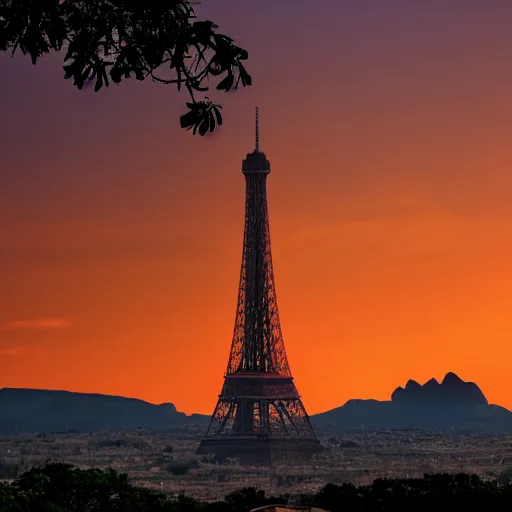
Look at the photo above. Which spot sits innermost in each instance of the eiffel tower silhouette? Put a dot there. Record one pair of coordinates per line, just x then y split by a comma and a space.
259, 417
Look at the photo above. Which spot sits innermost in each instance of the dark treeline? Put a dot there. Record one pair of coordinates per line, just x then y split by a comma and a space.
63, 488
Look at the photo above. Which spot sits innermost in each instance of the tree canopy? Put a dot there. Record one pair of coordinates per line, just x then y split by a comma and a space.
106, 41
64, 488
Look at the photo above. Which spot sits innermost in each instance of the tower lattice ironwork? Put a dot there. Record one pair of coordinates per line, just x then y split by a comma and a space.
259, 416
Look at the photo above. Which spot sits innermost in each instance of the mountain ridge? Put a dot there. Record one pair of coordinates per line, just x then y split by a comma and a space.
451, 404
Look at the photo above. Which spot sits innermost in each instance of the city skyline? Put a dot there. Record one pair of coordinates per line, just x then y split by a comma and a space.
388, 129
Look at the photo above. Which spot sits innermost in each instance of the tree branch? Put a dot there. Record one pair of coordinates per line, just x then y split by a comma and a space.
129, 39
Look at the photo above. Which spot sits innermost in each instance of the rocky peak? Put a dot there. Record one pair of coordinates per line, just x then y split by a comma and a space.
412, 384
452, 391
431, 384
452, 379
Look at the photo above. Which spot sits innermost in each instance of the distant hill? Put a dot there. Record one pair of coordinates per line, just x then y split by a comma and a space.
36, 410
450, 405
452, 391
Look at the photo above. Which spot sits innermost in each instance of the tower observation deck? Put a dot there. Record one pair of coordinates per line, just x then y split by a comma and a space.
259, 416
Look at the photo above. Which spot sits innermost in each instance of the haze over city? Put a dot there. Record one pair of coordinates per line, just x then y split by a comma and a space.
388, 129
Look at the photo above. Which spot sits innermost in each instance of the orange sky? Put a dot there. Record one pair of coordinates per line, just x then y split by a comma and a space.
388, 129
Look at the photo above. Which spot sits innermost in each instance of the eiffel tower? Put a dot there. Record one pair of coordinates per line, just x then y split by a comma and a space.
259, 417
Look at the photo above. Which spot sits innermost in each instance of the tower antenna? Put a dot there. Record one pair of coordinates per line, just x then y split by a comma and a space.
257, 144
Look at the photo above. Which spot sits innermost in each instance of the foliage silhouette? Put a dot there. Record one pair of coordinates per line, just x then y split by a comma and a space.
8, 470
115, 40
245, 499
63, 488
181, 467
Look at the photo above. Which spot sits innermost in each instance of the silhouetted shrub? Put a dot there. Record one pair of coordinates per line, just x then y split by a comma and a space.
209, 459
63, 488
8, 470
181, 467
246, 499
505, 477
167, 449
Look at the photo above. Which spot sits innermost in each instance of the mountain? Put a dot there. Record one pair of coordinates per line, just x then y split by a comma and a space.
36, 410
452, 404
452, 391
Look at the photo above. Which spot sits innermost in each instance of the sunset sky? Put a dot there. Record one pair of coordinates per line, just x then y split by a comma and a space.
388, 127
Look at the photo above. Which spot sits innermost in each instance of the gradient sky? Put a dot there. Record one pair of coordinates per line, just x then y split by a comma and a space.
388, 126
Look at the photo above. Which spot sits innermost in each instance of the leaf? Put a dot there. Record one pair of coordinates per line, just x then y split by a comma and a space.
99, 82
188, 120
218, 115
245, 78
105, 76
212, 122
203, 127
115, 75
227, 83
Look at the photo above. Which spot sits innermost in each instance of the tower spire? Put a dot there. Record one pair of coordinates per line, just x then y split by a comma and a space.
257, 142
